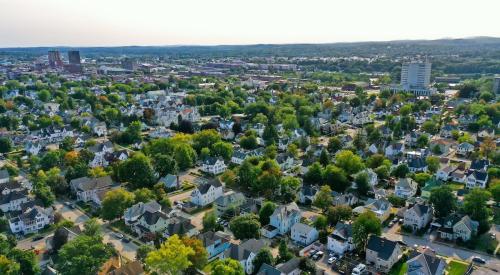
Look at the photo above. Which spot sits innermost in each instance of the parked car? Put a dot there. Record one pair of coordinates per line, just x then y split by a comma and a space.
126, 240
479, 260
332, 260
390, 224
37, 238
316, 257
359, 269
118, 235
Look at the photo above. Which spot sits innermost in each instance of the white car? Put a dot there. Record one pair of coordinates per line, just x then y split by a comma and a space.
332, 260
118, 235
359, 269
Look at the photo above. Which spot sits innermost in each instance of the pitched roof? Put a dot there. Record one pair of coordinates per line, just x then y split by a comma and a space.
131, 268
243, 250
383, 247
423, 263
86, 183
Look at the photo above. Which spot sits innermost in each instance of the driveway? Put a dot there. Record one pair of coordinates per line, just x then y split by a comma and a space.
128, 250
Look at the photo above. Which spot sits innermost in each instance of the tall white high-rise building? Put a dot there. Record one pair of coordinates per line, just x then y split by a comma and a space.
416, 75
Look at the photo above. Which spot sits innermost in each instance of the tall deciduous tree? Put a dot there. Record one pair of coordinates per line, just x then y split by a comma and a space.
137, 171
443, 201
245, 226
365, 224
115, 202
266, 211
227, 267
324, 198
264, 256
171, 258
348, 161
83, 255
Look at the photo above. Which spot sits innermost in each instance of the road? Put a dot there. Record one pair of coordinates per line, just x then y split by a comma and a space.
442, 249
128, 250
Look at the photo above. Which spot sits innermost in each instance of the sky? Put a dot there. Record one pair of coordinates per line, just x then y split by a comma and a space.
216, 22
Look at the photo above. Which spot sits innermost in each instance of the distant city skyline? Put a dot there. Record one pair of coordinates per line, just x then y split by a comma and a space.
81, 23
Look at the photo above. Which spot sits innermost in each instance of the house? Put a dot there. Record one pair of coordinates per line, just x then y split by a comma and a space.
344, 199
100, 150
229, 204
130, 268
70, 233
444, 145
213, 166
381, 208
383, 253
479, 165
238, 156
459, 176
207, 193
425, 263
4, 176
340, 241
476, 179
291, 267
303, 234
465, 148
447, 130
394, 150
245, 253
465, 229
418, 216
33, 148
417, 164
170, 182
90, 189
285, 161
282, 220
307, 193
372, 176
445, 173
151, 222
406, 188
12, 201
31, 220
179, 225
216, 243
99, 129
133, 213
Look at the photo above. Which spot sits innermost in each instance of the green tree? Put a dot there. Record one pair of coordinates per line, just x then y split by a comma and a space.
362, 183
210, 222
323, 198
314, 174
83, 255
264, 256
200, 256
422, 141
227, 267
475, 205
245, 226
443, 201
349, 162
338, 213
247, 173
223, 149
432, 164
137, 171
171, 258
283, 253
8, 267
27, 261
144, 195
495, 190
205, 138
164, 165
401, 171
115, 202
324, 158
5, 145
143, 251
321, 222
266, 211
185, 156
365, 224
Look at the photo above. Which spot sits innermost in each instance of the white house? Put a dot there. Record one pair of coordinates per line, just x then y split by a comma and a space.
381, 208
465, 148
33, 148
282, 220
418, 216
340, 241
477, 179
303, 234
31, 220
90, 189
12, 201
214, 166
445, 173
100, 150
406, 188
207, 193
132, 214
100, 129
394, 150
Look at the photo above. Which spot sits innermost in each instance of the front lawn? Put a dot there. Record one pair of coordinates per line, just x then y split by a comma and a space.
456, 268
486, 243
455, 186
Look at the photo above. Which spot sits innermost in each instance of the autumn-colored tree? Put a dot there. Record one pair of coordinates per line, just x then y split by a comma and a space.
171, 258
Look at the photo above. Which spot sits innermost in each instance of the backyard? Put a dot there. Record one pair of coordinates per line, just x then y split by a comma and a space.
456, 267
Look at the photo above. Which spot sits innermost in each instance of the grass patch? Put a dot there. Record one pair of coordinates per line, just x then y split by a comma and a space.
455, 186
486, 243
121, 226
456, 268
399, 268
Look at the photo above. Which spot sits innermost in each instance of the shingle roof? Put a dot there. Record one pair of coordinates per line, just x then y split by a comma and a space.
382, 246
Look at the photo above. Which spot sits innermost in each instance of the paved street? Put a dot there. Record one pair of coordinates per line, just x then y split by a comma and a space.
128, 250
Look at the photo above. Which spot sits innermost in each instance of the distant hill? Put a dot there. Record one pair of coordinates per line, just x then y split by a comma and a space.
477, 46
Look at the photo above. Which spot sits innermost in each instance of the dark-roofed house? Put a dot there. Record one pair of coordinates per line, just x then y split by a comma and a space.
170, 181
245, 253
476, 178
340, 241
479, 165
91, 189
31, 220
215, 243
307, 193
418, 216
465, 229
12, 201
229, 204
383, 253
130, 268
425, 263
417, 165
291, 267
207, 193
133, 213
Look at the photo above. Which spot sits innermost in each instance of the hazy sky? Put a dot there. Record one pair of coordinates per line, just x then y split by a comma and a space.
174, 22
